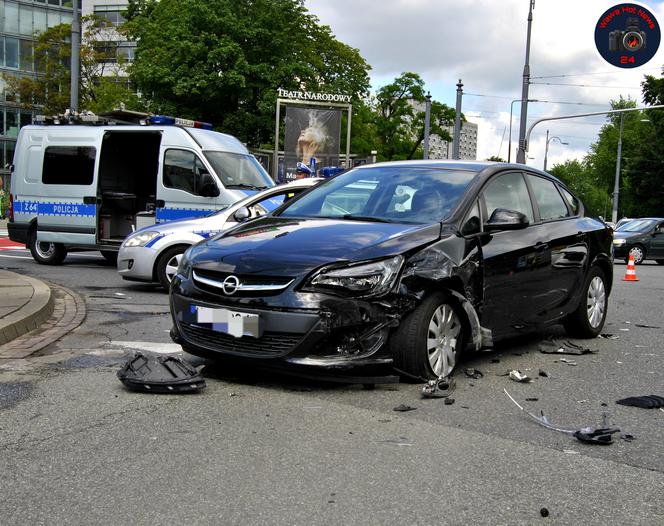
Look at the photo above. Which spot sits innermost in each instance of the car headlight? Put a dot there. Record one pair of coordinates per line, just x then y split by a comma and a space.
619, 242
376, 277
185, 266
140, 240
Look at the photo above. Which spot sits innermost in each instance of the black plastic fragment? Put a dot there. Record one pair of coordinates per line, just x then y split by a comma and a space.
448, 401
544, 512
602, 435
645, 326
627, 437
543, 373
160, 374
473, 373
645, 402
403, 408
553, 347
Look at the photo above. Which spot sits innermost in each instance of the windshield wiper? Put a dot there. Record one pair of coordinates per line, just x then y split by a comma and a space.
354, 217
244, 185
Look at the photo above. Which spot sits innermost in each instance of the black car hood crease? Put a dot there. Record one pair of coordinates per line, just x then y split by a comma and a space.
293, 247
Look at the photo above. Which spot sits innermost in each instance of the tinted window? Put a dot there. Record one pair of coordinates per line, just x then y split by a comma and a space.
508, 191
551, 204
572, 201
183, 170
407, 194
69, 165
638, 225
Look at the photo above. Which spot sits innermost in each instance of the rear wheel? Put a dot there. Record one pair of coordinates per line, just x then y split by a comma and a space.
589, 317
638, 252
46, 253
168, 264
429, 340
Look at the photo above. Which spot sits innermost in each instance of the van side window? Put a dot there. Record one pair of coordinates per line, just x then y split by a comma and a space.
69, 165
183, 170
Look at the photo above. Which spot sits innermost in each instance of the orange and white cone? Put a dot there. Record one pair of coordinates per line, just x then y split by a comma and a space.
630, 274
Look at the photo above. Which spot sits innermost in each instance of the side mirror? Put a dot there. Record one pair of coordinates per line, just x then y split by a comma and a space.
242, 214
209, 186
503, 219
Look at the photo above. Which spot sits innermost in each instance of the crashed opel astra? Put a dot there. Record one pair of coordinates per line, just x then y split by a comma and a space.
406, 264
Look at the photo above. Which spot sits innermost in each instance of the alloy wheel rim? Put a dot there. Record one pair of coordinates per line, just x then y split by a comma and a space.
45, 252
637, 253
596, 303
172, 267
442, 340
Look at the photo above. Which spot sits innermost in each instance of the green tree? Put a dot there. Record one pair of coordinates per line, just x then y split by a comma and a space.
99, 89
497, 159
223, 60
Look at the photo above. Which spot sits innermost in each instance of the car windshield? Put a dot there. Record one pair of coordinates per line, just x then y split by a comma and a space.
637, 225
392, 194
238, 170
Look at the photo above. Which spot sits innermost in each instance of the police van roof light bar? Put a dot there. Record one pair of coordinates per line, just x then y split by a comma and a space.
166, 120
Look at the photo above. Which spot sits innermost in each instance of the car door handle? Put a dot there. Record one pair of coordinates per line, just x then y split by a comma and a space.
541, 247
160, 203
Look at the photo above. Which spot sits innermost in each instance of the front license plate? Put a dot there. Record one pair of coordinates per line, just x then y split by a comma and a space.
231, 322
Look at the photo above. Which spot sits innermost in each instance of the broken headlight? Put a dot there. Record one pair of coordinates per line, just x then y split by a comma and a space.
140, 240
374, 278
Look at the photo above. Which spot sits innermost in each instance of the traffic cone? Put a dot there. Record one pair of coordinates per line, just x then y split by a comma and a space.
630, 273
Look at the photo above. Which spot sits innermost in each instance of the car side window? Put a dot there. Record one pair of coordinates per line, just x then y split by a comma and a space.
572, 201
183, 170
508, 191
268, 204
473, 222
550, 203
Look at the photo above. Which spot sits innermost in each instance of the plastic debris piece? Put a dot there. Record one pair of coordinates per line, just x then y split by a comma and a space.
160, 374
544, 512
608, 336
439, 388
624, 330
590, 435
627, 437
645, 326
532, 399
568, 362
403, 408
518, 376
473, 373
553, 347
449, 401
645, 402
543, 373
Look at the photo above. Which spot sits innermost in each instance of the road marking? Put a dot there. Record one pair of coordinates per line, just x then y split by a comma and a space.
155, 347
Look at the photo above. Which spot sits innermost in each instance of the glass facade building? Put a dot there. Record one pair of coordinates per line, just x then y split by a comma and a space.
20, 20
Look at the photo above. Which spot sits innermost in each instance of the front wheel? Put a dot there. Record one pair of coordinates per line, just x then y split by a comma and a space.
638, 252
168, 265
45, 252
429, 340
589, 317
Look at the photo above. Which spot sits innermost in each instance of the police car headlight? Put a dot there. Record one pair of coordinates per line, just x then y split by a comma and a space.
619, 242
140, 240
371, 278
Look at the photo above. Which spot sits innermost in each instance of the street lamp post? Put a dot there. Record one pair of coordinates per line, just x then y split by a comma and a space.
509, 141
616, 183
546, 148
427, 125
521, 154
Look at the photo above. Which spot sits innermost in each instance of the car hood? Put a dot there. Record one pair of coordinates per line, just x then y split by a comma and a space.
293, 247
628, 235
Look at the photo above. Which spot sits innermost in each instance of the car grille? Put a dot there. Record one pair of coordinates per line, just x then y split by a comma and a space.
267, 285
270, 344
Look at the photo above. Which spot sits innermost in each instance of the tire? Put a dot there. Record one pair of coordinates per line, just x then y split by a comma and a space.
168, 263
410, 345
110, 255
660, 261
46, 253
588, 319
638, 252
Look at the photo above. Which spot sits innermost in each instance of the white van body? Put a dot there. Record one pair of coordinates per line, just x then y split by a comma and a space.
89, 186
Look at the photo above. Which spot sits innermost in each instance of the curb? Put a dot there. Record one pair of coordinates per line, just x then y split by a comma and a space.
31, 315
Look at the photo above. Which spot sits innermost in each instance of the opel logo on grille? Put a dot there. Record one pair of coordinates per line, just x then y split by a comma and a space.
230, 285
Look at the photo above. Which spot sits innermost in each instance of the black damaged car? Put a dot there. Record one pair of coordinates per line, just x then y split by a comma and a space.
402, 263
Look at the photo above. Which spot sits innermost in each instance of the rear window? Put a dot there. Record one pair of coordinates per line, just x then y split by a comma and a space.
69, 165
400, 194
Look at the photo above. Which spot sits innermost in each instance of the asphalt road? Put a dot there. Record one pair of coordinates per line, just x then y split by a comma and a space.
257, 448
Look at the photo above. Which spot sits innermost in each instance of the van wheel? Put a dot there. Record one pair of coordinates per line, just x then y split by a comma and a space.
429, 340
46, 253
110, 255
168, 265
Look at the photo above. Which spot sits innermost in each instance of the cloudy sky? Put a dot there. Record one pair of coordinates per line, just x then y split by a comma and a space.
483, 43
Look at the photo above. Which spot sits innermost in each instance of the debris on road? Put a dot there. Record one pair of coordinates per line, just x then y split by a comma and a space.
553, 347
568, 362
627, 437
518, 376
160, 374
543, 374
645, 326
439, 388
532, 399
403, 408
448, 401
608, 336
645, 402
544, 512
473, 373
590, 435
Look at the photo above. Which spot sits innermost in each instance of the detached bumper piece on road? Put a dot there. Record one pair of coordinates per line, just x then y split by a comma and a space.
160, 374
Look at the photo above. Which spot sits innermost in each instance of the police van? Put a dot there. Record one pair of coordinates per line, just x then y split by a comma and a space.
87, 186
